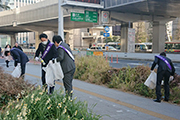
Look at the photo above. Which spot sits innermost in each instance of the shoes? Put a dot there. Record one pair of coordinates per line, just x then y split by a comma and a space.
156, 100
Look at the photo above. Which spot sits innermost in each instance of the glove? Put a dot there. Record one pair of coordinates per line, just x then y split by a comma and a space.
152, 70
53, 60
171, 78
19, 64
36, 58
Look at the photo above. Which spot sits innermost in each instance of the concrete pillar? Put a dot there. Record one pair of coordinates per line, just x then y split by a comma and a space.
67, 37
124, 37
37, 40
13, 40
158, 42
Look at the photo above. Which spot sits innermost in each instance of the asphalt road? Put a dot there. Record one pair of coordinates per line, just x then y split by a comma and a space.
133, 63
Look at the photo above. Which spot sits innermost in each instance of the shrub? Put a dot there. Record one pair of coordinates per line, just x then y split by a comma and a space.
10, 87
89, 70
96, 70
38, 105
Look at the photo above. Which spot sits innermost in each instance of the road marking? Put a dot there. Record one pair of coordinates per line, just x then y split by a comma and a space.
135, 64
158, 115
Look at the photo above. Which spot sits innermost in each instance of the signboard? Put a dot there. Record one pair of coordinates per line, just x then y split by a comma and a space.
106, 34
131, 40
107, 29
24, 41
98, 53
91, 16
89, 53
105, 17
77, 17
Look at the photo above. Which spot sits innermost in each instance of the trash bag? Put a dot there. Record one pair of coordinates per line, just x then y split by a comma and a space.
57, 70
16, 72
151, 80
49, 77
53, 72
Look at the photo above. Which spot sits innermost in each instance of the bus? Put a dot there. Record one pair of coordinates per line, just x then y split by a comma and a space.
172, 47
143, 47
116, 45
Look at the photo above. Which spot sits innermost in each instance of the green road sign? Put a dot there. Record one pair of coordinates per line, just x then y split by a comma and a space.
91, 16
89, 53
77, 17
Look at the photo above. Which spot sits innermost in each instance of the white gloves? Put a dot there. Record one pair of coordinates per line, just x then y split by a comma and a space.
36, 58
19, 64
152, 70
171, 78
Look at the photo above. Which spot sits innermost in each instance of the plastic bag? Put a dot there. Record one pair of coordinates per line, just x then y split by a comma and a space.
57, 70
49, 77
151, 80
16, 72
53, 72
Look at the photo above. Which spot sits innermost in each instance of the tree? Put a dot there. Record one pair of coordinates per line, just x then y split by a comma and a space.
5, 7
141, 34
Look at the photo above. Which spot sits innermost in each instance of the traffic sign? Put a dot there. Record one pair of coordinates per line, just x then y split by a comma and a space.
107, 29
91, 16
106, 34
105, 17
77, 17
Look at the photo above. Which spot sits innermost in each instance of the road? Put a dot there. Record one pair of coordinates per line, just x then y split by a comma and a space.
133, 63
113, 104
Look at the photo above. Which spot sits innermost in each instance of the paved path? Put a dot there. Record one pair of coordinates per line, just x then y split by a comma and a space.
114, 104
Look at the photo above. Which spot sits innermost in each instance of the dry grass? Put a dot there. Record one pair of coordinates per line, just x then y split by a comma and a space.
97, 70
10, 87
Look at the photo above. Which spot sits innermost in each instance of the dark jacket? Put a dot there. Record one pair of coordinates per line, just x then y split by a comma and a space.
66, 61
50, 55
18, 47
162, 66
19, 56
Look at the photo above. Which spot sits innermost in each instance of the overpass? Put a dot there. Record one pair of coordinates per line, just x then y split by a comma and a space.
43, 16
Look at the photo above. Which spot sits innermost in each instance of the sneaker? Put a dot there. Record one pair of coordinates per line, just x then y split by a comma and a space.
156, 100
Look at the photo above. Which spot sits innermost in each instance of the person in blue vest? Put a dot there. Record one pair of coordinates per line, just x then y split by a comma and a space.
48, 52
165, 70
19, 57
66, 60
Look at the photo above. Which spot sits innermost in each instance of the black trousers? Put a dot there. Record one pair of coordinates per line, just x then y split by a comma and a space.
160, 76
23, 68
67, 81
43, 78
7, 63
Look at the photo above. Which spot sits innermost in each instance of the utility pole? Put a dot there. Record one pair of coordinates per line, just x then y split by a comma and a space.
60, 20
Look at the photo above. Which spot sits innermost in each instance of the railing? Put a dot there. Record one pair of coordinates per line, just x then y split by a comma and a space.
89, 1
111, 3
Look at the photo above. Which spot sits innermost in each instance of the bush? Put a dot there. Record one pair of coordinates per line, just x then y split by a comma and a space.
10, 87
91, 69
97, 70
38, 105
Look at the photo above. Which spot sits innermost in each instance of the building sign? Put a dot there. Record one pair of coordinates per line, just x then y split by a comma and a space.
131, 40
91, 16
77, 17
105, 17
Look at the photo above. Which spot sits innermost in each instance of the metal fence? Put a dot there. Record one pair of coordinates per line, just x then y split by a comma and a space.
89, 1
